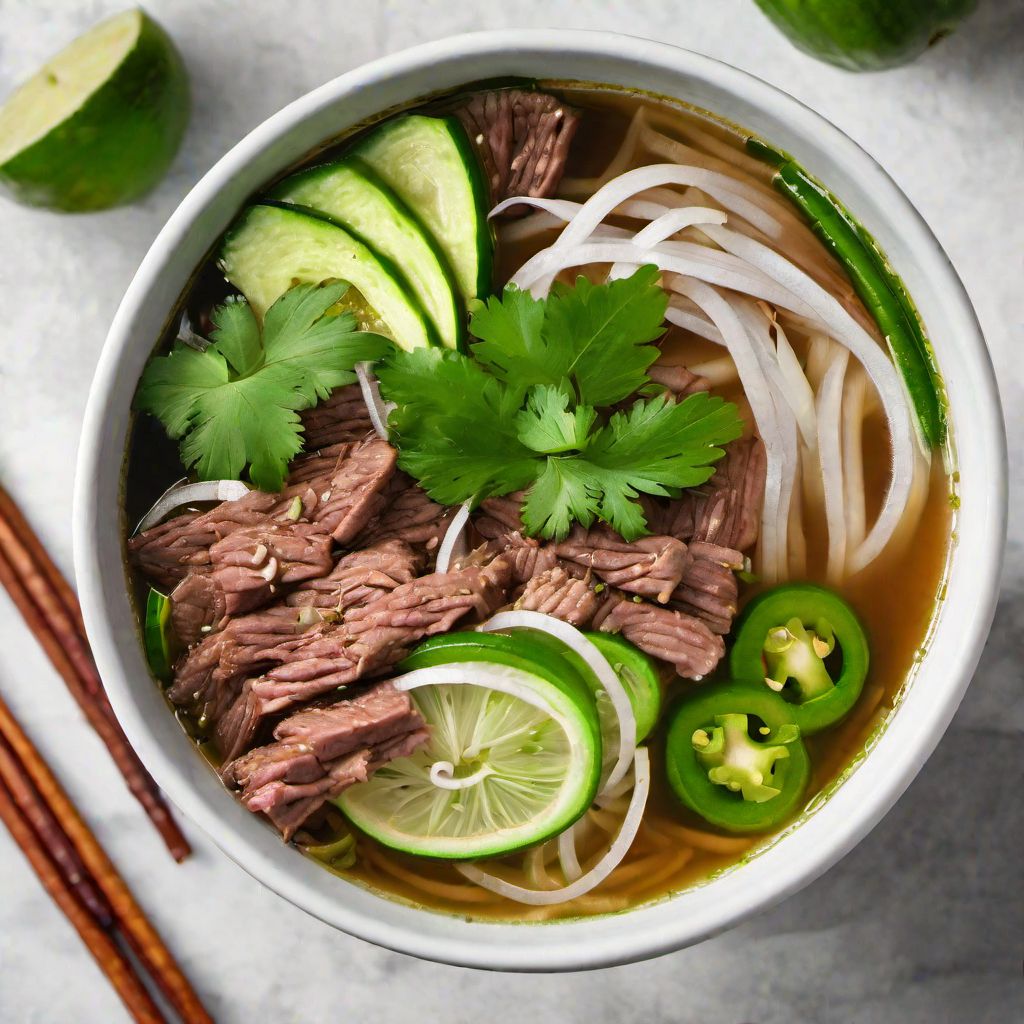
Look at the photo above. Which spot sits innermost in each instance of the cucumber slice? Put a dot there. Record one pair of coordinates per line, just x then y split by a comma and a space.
158, 634
273, 247
514, 756
638, 675
354, 197
429, 162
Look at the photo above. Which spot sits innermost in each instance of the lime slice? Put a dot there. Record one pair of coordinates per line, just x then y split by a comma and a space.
514, 757
100, 123
638, 675
157, 634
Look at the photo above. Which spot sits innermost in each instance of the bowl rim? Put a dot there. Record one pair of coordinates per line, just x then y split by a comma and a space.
820, 840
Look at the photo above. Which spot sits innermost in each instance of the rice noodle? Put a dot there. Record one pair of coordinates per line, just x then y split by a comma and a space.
600, 870
749, 203
378, 409
453, 545
883, 374
797, 537
597, 663
758, 393
799, 392
685, 258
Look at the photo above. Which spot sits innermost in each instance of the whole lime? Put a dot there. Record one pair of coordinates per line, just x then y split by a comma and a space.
100, 123
866, 35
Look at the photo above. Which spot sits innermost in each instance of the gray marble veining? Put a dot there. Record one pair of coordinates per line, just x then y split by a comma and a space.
922, 924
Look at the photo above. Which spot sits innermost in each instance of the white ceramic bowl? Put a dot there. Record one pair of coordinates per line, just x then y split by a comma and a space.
930, 698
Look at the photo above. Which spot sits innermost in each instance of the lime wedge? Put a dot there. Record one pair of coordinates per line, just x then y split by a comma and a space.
100, 123
514, 757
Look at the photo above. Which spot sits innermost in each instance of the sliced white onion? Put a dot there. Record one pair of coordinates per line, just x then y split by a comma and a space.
884, 375
442, 775
567, 854
596, 662
378, 409
453, 544
599, 872
184, 493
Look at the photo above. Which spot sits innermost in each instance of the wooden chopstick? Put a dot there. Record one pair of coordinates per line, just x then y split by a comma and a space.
111, 960
51, 610
25, 777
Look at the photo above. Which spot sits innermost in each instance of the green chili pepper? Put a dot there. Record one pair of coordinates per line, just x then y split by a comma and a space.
734, 755
878, 285
783, 641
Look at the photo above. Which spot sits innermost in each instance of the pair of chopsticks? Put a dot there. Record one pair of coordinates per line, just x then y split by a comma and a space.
83, 882
70, 863
50, 608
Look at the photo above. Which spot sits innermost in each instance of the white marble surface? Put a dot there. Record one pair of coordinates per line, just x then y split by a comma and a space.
922, 924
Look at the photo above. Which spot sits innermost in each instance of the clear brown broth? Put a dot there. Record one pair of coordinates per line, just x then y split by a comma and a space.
895, 598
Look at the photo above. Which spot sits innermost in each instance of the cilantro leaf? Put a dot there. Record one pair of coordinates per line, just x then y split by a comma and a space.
455, 426
522, 411
512, 345
596, 335
656, 446
608, 327
236, 404
564, 493
548, 426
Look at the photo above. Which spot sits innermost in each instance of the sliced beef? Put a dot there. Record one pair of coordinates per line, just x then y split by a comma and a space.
321, 750
677, 379
555, 592
410, 516
343, 417
359, 577
673, 636
525, 556
166, 553
651, 566
371, 639
250, 565
708, 589
523, 139
727, 509
352, 496
498, 516
208, 678
198, 606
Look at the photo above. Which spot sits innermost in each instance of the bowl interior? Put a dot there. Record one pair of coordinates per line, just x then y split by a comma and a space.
962, 619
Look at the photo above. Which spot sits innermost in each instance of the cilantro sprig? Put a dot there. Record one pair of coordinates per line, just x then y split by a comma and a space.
236, 403
529, 409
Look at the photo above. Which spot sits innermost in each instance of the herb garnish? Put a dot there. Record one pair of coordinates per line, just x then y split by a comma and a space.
236, 403
528, 409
